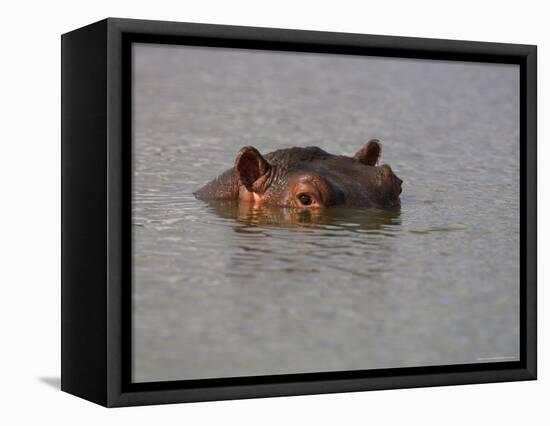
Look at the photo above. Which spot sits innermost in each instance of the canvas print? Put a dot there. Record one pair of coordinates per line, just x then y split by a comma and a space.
305, 212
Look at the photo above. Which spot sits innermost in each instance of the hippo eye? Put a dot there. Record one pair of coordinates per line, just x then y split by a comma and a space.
305, 199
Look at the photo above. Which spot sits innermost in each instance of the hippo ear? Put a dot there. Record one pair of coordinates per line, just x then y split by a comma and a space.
250, 167
369, 154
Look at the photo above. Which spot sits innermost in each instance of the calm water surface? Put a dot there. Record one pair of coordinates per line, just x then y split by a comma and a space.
221, 290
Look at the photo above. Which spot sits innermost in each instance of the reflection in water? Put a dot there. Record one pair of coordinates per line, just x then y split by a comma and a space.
331, 219
293, 241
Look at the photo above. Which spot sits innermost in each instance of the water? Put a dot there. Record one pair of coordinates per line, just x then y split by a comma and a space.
221, 290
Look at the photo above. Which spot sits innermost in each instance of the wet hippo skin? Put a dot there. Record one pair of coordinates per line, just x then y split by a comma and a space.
307, 178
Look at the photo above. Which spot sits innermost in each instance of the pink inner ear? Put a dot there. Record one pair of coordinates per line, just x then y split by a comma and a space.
250, 166
370, 153
247, 168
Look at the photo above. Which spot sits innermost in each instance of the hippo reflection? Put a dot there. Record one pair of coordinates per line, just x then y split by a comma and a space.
307, 178
338, 218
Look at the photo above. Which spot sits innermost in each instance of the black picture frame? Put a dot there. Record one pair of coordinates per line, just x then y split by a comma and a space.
96, 216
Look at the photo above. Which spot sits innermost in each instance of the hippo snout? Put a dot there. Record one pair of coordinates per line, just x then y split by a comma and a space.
397, 186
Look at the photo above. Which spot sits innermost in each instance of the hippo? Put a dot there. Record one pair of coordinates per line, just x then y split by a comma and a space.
307, 178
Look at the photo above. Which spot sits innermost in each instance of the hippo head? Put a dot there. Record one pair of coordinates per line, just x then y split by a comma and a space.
307, 178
